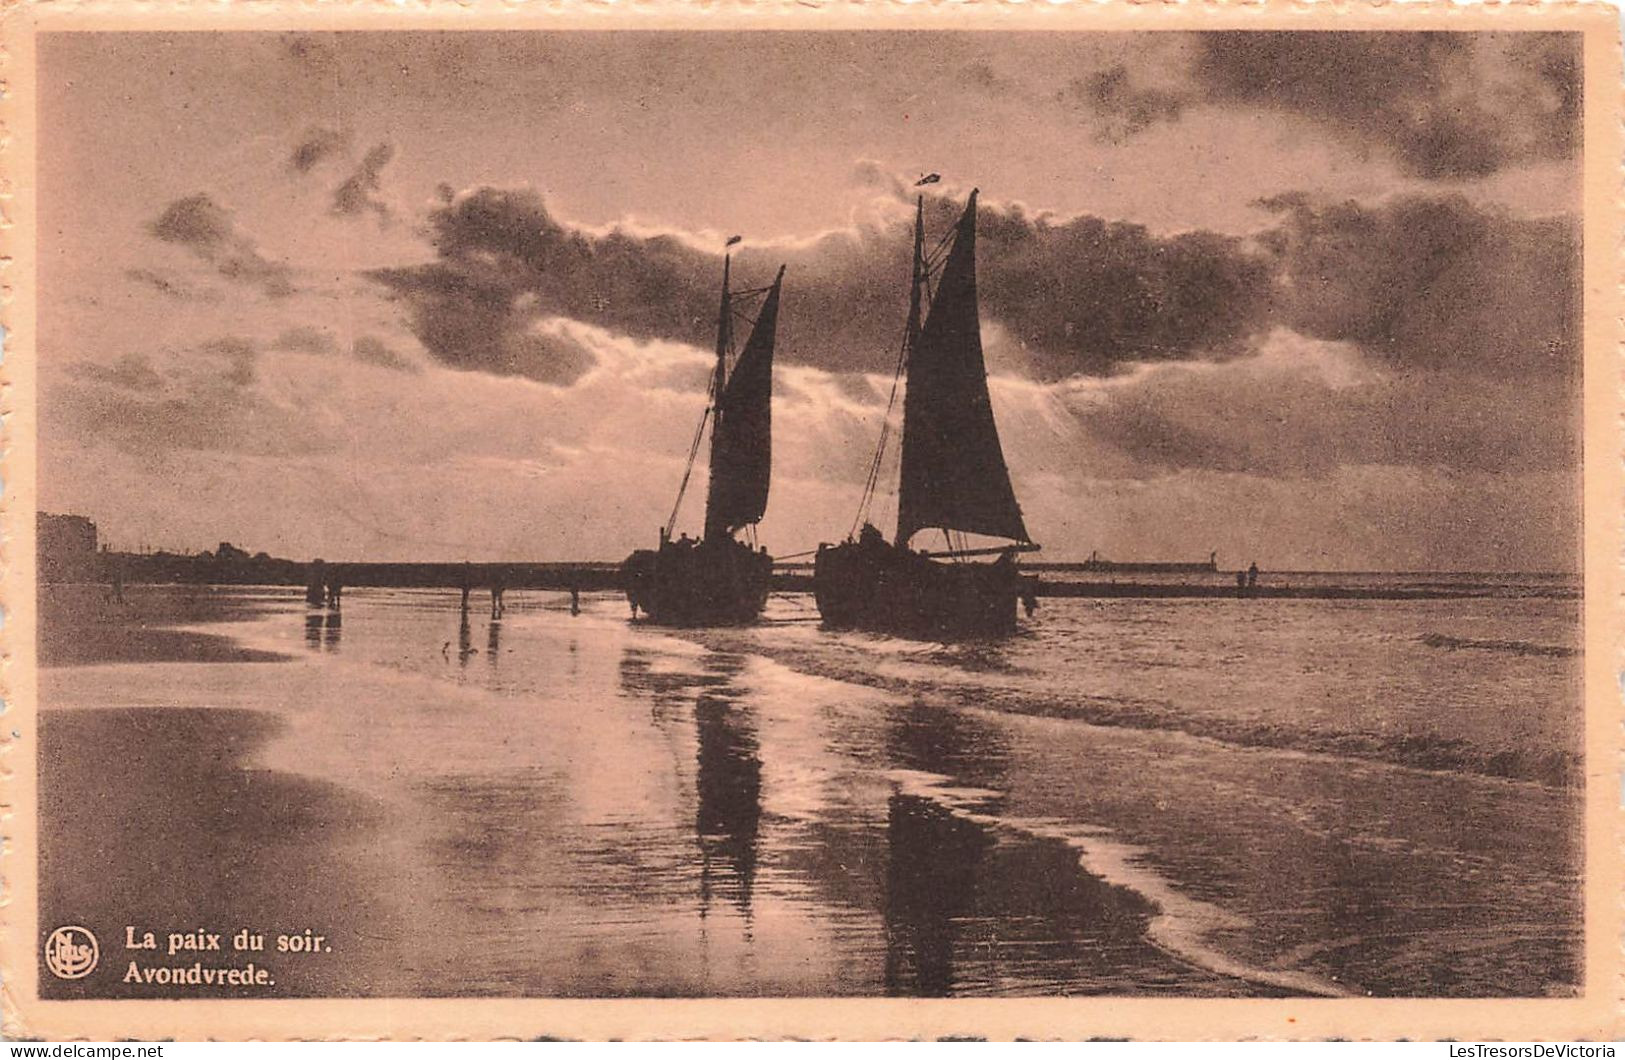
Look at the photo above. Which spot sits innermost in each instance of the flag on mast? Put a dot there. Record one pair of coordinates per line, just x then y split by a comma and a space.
929, 178
733, 240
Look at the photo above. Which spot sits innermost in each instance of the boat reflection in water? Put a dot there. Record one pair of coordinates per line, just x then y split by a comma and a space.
728, 790
617, 810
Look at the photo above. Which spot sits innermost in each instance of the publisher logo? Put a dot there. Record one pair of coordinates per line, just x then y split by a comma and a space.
71, 952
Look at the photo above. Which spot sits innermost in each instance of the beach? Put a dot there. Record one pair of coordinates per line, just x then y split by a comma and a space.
1141, 798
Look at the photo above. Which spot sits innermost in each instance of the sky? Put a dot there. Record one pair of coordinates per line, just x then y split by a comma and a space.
1309, 299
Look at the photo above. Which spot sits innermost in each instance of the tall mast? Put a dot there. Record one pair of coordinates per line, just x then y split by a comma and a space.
720, 381
911, 339
913, 333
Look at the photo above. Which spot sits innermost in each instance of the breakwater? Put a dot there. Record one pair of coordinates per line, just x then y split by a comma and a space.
1054, 579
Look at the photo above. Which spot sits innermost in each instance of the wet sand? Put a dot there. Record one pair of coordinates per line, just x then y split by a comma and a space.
81, 624
153, 819
576, 806
455, 878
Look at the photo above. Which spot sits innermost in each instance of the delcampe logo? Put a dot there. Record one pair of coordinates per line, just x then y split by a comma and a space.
71, 952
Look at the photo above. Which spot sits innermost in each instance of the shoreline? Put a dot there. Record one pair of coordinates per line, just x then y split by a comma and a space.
80, 624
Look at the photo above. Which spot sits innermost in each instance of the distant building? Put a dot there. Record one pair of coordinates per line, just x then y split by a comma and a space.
67, 547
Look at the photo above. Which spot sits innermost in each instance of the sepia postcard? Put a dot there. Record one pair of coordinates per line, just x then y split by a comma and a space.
811, 521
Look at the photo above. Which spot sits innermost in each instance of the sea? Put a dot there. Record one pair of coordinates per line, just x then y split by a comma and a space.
1135, 797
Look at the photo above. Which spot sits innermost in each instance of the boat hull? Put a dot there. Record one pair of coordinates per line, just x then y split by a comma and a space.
875, 586
705, 584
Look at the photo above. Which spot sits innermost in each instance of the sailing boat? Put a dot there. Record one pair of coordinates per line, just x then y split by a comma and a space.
953, 478
720, 580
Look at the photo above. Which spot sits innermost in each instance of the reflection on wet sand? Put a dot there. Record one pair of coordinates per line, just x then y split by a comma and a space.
621, 812
323, 630
729, 789
928, 738
930, 880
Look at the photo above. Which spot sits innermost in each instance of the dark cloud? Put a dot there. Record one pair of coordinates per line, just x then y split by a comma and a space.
477, 315
204, 399
241, 356
1430, 282
306, 339
1462, 326
1443, 105
371, 350
359, 193
505, 264
1081, 295
314, 146
1252, 419
1084, 295
203, 227
1448, 105
1121, 107
367, 349
1459, 323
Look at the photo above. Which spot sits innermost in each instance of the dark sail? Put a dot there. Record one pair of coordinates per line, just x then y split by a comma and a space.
953, 473
742, 434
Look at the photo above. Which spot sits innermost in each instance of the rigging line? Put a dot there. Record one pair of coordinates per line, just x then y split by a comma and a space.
693, 452
866, 502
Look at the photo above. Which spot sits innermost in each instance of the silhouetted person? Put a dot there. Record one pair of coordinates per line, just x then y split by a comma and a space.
468, 587
1252, 575
575, 600
1029, 599
335, 594
497, 589
1241, 583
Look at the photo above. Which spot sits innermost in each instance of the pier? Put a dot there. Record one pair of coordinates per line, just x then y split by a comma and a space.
1054, 579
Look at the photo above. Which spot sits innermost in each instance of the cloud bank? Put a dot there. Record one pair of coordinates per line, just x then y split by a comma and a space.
1443, 106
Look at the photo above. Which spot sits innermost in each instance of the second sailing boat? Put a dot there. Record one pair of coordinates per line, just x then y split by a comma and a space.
720, 580
953, 478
